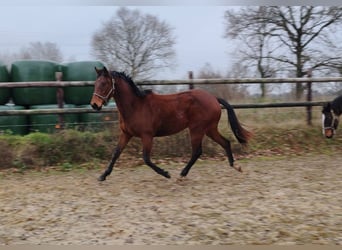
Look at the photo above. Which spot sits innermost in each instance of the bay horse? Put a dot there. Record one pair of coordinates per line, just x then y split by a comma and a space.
330, 116
146, 114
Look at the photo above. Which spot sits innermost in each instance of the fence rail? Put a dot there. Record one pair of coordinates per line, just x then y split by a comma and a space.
190, 82
109, 110
175, 82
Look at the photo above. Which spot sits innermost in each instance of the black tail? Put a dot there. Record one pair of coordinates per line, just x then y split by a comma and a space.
241, 134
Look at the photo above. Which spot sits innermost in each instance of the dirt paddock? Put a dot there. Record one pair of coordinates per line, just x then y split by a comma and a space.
274, 201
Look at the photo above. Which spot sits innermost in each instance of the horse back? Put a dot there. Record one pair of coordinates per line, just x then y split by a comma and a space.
191, 101
175, 112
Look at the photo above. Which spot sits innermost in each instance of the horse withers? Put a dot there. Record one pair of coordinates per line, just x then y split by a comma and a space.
145, 114
330, 116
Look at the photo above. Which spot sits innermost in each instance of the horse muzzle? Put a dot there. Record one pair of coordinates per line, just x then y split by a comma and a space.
329, 133
96, 103
96, 107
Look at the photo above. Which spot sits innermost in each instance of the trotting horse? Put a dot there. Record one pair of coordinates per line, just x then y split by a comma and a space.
330, 116
146, 115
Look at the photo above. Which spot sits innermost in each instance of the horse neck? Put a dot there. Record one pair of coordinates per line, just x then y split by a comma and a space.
126, 100
336, 106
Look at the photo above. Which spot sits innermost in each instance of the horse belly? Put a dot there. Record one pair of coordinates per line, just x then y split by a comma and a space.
172, 124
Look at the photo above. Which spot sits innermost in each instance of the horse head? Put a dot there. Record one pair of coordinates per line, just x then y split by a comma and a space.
329, 121
103, 88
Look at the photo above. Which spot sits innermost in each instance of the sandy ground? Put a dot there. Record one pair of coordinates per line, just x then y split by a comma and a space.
274, 201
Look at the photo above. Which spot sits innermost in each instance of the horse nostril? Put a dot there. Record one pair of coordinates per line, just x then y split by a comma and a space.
329, 134
94, 106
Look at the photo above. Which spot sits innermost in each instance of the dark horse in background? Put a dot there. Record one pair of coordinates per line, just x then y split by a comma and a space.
146, 115
330, 116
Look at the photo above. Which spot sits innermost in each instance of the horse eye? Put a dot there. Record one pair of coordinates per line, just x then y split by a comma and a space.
327, 120
103, 84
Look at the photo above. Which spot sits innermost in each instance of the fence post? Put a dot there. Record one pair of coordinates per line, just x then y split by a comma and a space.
309, 98
60, 100
191, 77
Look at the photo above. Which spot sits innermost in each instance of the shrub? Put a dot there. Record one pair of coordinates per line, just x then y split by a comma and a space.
6, 155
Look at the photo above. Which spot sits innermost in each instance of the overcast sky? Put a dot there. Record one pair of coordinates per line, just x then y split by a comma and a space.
198, 29
198, 26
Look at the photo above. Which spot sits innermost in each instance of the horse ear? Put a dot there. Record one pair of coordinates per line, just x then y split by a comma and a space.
105, 69
327, 107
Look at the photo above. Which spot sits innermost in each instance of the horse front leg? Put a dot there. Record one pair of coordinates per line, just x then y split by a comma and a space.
195, 155
147, 146
123, 140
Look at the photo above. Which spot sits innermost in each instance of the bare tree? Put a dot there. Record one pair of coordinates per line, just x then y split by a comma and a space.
134, 42
300, 36
41, 51
6, 58
225, 91
255, 47
207, 72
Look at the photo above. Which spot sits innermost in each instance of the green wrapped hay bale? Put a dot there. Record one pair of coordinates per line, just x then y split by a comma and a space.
80, 71
16, 124
98, 121
49, 123
5, 93
33, 71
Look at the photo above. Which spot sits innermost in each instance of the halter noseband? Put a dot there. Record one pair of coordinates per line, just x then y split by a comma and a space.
332, 125
106, 98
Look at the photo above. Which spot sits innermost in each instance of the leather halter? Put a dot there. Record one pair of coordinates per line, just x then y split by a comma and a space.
332, 125
106, 97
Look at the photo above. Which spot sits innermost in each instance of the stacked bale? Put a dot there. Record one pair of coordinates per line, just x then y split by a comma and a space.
45, 97
10, 124
39, 97
5, 93
49, 123
16, 124
33, 71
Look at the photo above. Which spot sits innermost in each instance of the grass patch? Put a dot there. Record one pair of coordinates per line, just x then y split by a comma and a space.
72, 149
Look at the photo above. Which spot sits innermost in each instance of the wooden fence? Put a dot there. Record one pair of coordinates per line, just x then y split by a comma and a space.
190, 82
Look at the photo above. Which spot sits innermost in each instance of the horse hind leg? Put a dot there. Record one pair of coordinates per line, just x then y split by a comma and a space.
224, 143
196, 145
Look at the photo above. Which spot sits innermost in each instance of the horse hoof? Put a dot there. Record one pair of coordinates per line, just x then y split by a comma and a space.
167, 175
101, 178
181, 178
238, 168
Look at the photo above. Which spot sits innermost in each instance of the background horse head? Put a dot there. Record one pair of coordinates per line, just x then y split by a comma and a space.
330, 116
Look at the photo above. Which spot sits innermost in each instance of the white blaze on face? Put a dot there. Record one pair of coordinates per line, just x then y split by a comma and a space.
323, 118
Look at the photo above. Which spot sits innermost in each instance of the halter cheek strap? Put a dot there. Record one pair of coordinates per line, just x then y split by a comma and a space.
332, 125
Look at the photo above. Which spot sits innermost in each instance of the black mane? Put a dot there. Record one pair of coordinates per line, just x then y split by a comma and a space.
336, 105
137, 91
